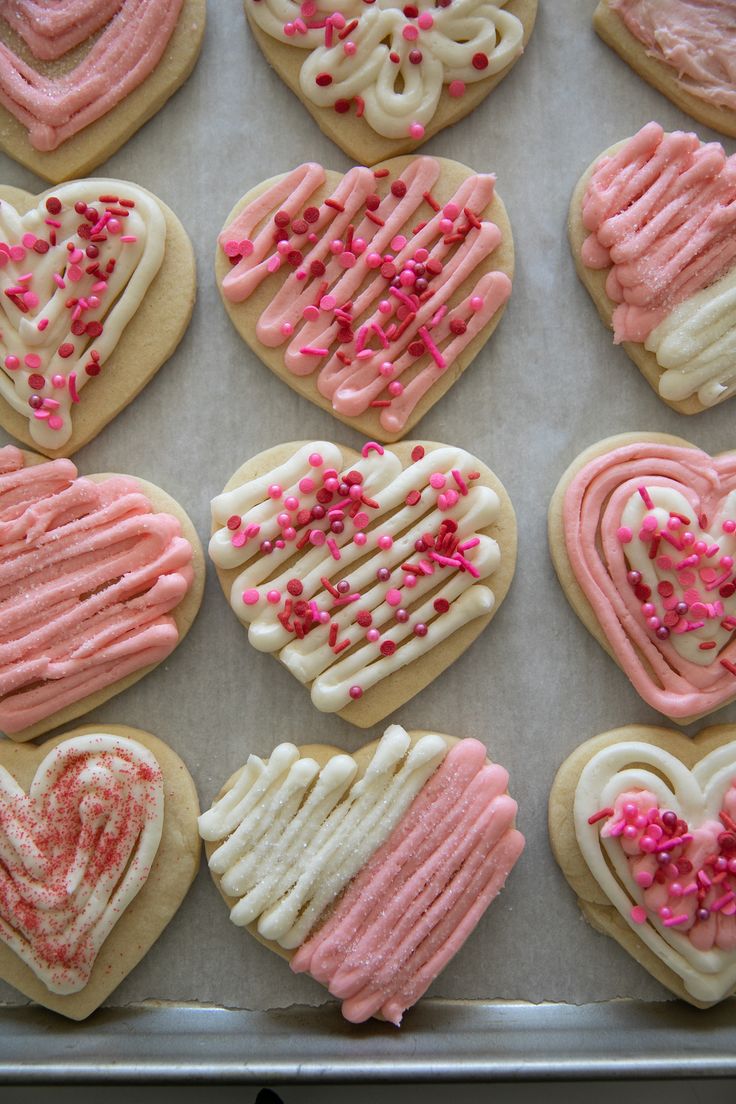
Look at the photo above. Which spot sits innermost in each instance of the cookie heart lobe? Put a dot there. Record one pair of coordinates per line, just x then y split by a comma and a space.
365, 574
368, 872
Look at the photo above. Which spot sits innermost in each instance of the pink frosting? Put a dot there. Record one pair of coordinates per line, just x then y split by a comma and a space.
593, 505
417, 900
662, 218
695, 37
50, 32
54, 108
88, 575
341, 316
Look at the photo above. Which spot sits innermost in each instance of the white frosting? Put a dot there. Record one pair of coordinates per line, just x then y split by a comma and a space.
696, 796
458, 32
295, 835
120, 294
696, 344
115, 808
313, 659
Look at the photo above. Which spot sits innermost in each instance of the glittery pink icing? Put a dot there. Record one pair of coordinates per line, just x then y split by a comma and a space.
593, 504
88, 576
661, 213
51, 30
695, 37
340, 316
420, 896
54, 108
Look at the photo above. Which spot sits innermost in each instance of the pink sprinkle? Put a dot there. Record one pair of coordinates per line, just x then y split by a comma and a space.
74, 273
393, 597
432, 348
468, 544
32, 360
250, 596
361, 520
456, 89
274, 264
55, 422
334, 550
273, 596
127, 238
59, 281
646, 498
462, 485
317, 538
639, 914
309, 350
42, 324
410, 32
17, 252
315, 460
437, 481
624, 534
371, 446
673, 921
29, 240
237, 542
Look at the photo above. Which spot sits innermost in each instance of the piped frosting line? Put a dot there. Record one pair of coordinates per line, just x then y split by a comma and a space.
50, 33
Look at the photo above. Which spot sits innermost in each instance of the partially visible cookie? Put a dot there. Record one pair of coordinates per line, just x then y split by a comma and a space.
643, 824
367, 871
101, 578
100, 846
685, 50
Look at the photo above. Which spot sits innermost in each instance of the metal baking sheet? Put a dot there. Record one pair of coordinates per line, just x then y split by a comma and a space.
207, 1001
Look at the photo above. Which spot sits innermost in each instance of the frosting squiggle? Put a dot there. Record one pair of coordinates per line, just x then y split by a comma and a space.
426, 835
88, 578
75, 852
387, 570
377, 310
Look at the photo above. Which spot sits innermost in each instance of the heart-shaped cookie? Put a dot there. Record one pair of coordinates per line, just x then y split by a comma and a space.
365, 575
684, 50
100, 579
643, 826
97, 286
100, 846
78, 78
381, 78
367, 871
369, 293
642, 533
652, 228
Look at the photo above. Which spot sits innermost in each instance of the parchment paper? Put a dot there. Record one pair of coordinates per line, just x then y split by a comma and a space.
535, 684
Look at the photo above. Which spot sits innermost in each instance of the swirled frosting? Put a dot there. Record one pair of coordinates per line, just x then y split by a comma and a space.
694, 37
423, 841
650, 533
75, 851
391, 561
73, 272
392, 61
378, 310
53, 108
660, 841
89, 575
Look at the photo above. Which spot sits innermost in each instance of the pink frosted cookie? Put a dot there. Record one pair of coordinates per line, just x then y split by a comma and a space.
643, 825
685, 48
100, 579
79, 77
369, 293
652, 229
369, 871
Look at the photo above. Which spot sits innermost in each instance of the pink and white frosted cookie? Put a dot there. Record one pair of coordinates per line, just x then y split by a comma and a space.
369, 293
100, 579
382, 78
97, 286
653, 233
368, 574
685, 48
79, 77
643, 825
368, 871
642, 532
99, 847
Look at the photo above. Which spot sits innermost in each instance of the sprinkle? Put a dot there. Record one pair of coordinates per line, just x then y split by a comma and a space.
639, 914
601, 815
672, 921
413, 498
728, 665
371, 446
646, 498
334, 550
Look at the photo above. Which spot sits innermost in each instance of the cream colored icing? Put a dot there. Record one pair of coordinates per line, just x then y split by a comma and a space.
641, 771
322, 658
396, 58
46, 296
604, 511
344, 319
89, 575
695, 37
696, 345
661, 214
54, 108
75, 851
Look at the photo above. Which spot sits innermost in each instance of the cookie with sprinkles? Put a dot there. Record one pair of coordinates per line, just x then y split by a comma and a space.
97, 286
101, 578
100, 846
365, 574
643, 825
642, 531
368, 871
381, 78
80, 77
369, 293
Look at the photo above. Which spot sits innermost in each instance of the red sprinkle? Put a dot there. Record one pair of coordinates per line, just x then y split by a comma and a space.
417, 453
413, 497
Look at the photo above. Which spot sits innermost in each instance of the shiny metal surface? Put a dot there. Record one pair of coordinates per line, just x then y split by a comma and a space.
447, 1040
